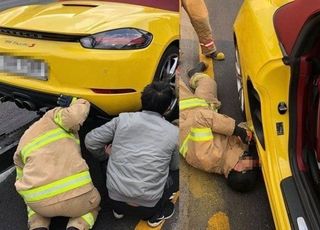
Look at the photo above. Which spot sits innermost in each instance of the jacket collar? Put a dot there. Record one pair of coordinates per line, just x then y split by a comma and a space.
152, 113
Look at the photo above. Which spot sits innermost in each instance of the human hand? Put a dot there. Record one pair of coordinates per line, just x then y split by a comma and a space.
107, 150
249, 136
244, 134
64, 101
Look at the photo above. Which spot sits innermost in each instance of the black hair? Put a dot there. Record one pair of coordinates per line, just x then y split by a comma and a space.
242, 181
157, 97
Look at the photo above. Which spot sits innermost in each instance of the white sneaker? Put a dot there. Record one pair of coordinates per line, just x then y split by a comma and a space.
172, 196
117, 215
159, 218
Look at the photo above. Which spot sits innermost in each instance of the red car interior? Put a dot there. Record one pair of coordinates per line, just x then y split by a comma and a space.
290, 18
308, 109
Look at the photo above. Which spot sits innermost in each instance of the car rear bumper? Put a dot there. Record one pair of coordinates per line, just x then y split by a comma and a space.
98, 102
72, 66
76, 71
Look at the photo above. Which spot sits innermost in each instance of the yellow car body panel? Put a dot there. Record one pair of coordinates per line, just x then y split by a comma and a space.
261, 63
75, 70
55, 17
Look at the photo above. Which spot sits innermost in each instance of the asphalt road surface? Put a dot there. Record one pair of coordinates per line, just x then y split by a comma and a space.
206, 202
13, 215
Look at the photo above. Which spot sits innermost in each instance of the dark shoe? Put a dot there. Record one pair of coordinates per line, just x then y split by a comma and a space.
168, 211
218, 56
200, 67
72, 228
42, 228
117, 215
157, 219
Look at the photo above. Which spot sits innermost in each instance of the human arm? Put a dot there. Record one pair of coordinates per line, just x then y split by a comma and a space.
219, 123
98, 138
225, 125
70, 118
174, 163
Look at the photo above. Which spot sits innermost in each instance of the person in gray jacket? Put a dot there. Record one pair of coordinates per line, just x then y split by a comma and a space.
144, 150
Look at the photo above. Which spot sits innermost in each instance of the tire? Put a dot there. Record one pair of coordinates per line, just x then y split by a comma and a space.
170, 53
166, 72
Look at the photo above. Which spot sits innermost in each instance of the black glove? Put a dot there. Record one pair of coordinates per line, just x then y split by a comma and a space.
242, 133
64, 101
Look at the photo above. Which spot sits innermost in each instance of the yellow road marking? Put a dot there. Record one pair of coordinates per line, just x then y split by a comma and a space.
142, 225
196, 186
219, 221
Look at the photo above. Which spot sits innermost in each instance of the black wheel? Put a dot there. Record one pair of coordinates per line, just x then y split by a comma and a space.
166, 71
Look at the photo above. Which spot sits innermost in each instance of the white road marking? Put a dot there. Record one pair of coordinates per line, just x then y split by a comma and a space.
6, 173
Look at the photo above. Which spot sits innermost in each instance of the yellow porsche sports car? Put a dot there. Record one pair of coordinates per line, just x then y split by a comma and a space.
103, 51
278, 66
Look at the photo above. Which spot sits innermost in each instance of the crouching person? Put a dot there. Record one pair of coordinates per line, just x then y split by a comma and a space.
209, 140
52, 177
144, 150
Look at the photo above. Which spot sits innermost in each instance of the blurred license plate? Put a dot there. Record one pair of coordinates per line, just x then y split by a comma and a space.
22, 66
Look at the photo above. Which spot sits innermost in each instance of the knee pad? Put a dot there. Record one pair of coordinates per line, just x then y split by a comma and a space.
242, 181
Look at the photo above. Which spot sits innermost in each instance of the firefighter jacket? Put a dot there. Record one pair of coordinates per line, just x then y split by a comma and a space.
198, 14
48, 159
206, 140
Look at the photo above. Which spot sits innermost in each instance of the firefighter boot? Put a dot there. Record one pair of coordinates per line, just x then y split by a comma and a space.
199, 68
216, 55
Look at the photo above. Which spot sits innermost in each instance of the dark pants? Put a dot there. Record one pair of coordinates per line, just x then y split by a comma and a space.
171, 186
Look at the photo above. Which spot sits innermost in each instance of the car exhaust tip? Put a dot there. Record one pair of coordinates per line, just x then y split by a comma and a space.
19, 103
4, 99
29, 105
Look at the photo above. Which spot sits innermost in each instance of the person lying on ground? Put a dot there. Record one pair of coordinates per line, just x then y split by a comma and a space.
211, 141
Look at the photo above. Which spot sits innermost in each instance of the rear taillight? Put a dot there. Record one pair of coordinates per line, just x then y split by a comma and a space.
119, 39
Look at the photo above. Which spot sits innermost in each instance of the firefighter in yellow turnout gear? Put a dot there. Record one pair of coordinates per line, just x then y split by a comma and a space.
198, 14
210, 141
52, 177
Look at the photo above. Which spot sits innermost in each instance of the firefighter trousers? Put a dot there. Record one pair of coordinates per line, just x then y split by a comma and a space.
199, 17
82, 210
